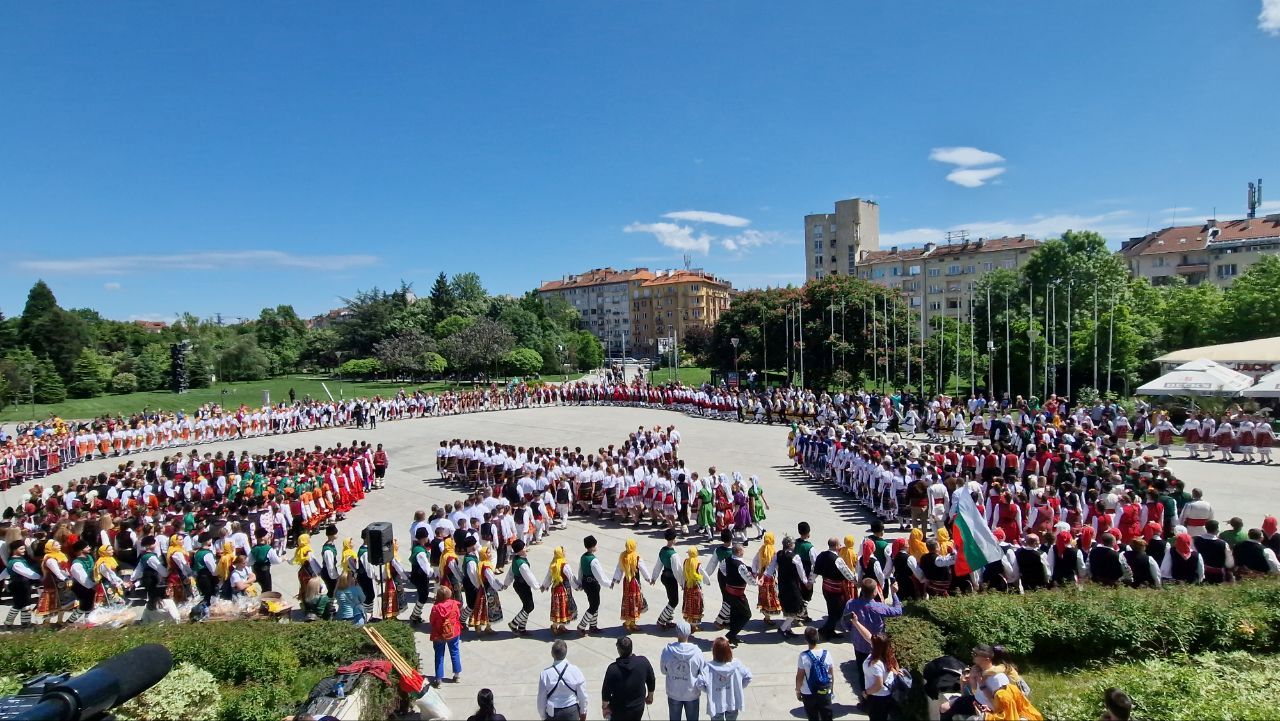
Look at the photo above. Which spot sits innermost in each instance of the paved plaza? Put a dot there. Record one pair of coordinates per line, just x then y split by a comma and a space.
510, 665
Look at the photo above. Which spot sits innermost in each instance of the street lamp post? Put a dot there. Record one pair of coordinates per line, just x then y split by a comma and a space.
734, 342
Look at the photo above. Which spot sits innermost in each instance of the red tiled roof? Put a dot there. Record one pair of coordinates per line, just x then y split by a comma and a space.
1179, 239
685, 276
596, 276
982, 245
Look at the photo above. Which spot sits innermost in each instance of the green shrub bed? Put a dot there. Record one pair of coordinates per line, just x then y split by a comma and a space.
1234, 685
256, 664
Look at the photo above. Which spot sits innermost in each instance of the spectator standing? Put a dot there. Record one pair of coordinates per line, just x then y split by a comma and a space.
880, 671
870, 610
628, 685
485, 710
724, 680
681, 664
814, 674
562, 689
446, 632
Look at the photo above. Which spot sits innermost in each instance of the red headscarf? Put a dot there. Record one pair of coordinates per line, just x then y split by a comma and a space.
1270, 526
1182, 544
999, 534
1151, 530
868, 552
1062, 541
899, 544
1086, 538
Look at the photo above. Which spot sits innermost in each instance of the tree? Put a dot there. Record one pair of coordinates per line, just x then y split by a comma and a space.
319, 349
1188, 315
124, 383
244, 360
697, 341
523, 324
469, 294
281, 333
453, 325
198, 373
152, 366
49, 385
360, 368
8, 333
522, 362
1250, 301
86, 376
371, 316
404, 353
589, 352
433, 363
478, 347
443, 300
51, 332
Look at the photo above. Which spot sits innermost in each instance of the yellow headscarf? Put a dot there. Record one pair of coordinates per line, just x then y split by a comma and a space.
226, 560
449, 555
767, 551
53, 549
945, 546
915, 544
105, 558
395, 549
849, 552
349, 553
303, 554
557, 565
692, 569
629, 560
485, 562
175, 546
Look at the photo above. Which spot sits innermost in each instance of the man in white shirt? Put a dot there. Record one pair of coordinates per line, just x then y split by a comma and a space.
562, 689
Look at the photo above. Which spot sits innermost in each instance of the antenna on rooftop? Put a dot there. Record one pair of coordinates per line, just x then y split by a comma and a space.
1255, 198
957, 236
688, 261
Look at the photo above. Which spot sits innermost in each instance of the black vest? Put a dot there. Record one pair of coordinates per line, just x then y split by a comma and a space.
1249, 555
902, 572
825, 565
1184, 569
787, 574
1104, 565
1156, 549
1031, 568
932, 571
1140, 565
1065, 568
1212, 550
734, 574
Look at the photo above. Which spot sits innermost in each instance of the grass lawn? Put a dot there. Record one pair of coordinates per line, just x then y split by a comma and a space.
687, 376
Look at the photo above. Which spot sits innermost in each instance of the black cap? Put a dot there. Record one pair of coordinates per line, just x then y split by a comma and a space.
589, 542
517, 546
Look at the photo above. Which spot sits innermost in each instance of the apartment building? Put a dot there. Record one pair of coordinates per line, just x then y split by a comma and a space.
1215, 251
833, 242
671, 301
938, 279
603, 298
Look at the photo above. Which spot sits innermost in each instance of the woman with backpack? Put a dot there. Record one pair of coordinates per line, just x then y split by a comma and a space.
814, 672
880, 674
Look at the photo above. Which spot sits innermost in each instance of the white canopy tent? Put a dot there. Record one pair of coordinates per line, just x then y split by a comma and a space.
1197, 378
1268, 386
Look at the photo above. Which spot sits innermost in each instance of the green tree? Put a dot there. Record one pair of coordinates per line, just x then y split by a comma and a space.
589, 352
443, 301
478, 347
522, 362
1189, 315
51, 332
404, 353
433, 363
523, 324
124, 383
244, 360
1250, 302
49, 385
281, 333
453, 325
320, 347
360, 368
86, 376
151, 367
198, 369
8, 333
470, 295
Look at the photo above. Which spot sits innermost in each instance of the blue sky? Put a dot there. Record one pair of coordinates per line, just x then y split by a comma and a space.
222, 157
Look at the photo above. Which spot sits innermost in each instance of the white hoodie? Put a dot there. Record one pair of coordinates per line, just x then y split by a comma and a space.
681, 664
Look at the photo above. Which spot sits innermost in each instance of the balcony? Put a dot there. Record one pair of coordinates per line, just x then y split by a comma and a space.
1192, 268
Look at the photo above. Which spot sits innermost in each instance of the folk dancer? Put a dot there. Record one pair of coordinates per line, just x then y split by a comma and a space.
767, 600
521, 577
487, 607
591, 577
631, 569
666, 572
692, 580
420, 571
737, 578
22, 576
560, 580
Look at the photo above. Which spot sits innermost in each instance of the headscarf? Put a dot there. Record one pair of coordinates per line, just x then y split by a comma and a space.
915, 545
998, 533
1086, 539
349, 553
1182, 544
629, 560
175, 546
53, 549
1062, 542
945, 546
1012, 705
692, 569
105, 558
849, 552
898, 545
557, 565
768, 549
485, 561
868, 551
1269, 526
1151, 530
226, 560
303, 554
450, 554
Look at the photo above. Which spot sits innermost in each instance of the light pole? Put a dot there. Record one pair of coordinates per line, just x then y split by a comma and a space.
734, 342
31, 388
563, 366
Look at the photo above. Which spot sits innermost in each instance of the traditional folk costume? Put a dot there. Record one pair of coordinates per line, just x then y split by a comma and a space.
591, 577
83, 586
304, 559
767, 600
54, 595
22, 577
737, 577
521, 577
692, 579
630, 571
849, 554
487, 607
666, 572
564, 610
420, 574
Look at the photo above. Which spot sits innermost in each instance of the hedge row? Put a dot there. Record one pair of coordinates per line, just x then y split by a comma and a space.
256, 662
1076, 627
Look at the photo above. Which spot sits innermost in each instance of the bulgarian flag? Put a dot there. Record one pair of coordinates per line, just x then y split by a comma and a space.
975, 544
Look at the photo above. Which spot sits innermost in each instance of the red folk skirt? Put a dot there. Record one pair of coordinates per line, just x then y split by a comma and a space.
768, 599
563, 608
633, 601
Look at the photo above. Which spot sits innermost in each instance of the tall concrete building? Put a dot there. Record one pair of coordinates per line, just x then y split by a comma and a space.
832, 241
938, 280
672, 301
603, 298
1216, 251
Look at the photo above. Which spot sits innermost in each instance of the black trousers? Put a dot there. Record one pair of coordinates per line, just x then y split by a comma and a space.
207, 585
835, 607
817, 707
593, 596
673, 590
84, 597
739, 614
263, 573
526, 597
330, 584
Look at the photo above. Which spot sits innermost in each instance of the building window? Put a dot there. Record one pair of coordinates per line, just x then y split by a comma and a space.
953, 270
1010, 263
913, 270
935, 289
897, 271
1227, 271
988, 266
935, 272
953, 303
969, 269
879, 273
833, 227
817, 274
817, 246
818, 260
935, 305
1158, 262
817, 231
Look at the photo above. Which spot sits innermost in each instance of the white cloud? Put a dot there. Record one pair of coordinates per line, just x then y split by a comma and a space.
111, 286
1115, 226
1179, 210
965, 156
706, 216
1269, 18
680, 237
973, 177
257, 259
1268, 207
748, 239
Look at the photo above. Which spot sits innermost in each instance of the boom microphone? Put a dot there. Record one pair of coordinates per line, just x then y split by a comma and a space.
103, 687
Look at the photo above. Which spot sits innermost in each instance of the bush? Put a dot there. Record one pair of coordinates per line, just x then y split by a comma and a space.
915, 640
522, 361
187, 692
256, 702
124, 383
1226, 686
360, 367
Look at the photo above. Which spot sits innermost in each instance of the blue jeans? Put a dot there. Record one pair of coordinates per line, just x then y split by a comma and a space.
690, 709
455, 655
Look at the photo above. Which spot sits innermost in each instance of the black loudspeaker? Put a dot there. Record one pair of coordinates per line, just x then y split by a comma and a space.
377, 537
